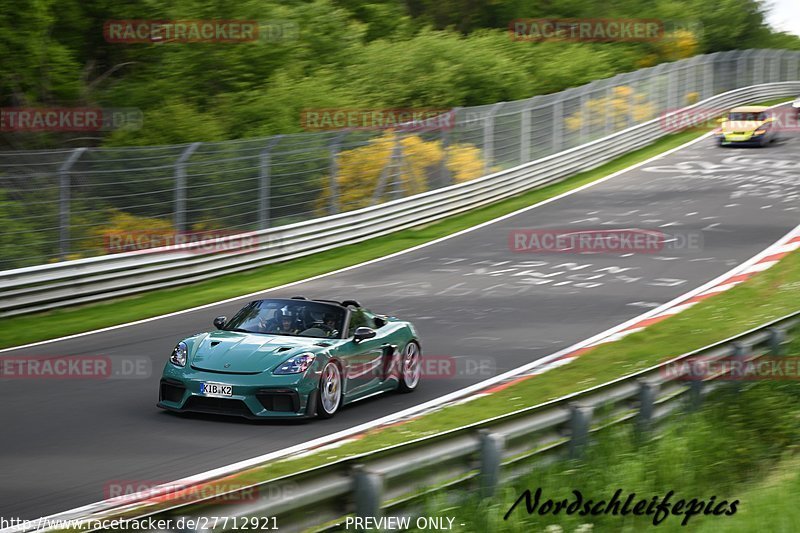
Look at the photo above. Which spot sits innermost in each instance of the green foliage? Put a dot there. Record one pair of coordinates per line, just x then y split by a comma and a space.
345, 53
18, 242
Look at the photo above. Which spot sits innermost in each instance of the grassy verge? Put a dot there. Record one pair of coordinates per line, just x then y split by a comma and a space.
735, 448
24, 329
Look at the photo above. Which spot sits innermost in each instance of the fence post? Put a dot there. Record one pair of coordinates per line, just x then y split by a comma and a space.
333, 150
610, 119
394, 161
525, 135
558, 123
579, 423
180, 186
491, 455
741, 67
584, 113
265, 182
65, 196
367, 491
708, 77
445, 177
672, 94
488, 138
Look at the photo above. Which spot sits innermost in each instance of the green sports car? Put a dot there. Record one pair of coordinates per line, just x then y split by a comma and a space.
291, 358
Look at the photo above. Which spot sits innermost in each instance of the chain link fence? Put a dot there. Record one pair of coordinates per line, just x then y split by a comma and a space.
64, 204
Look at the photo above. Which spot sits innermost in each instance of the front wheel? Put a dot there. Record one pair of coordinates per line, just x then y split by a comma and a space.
410, 367
330, 391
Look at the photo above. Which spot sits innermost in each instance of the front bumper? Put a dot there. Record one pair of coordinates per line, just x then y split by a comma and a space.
741, 140
255, 396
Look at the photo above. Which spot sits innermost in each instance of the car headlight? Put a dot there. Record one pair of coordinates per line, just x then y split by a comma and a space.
759, 132
179, 355
297, 364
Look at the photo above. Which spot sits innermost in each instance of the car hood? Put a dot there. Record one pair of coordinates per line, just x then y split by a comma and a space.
245, 353
741, 125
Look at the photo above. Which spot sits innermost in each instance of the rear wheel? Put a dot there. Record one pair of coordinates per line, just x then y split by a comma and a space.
330, 391
410, 367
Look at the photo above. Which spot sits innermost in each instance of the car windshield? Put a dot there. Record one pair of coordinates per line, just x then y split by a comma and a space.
746, 116
298, 318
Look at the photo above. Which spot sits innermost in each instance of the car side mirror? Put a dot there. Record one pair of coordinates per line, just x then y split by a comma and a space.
363, 333
220, 321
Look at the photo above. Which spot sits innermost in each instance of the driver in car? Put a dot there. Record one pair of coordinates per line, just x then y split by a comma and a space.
286, 324
330, 322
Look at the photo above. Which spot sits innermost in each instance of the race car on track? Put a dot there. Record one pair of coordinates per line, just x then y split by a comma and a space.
747, 126
291, 358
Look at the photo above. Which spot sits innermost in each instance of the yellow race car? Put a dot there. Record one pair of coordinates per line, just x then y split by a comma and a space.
747, 126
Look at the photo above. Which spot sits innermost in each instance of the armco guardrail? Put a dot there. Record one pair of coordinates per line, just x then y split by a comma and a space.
478, 457
86, 280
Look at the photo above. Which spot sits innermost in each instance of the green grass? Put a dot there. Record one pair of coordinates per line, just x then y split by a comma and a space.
25, 329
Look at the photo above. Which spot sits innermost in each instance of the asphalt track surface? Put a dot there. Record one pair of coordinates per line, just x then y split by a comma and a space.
64, 443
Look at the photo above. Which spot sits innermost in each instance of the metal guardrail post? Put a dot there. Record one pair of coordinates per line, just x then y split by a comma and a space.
180, 186
647, 403
333, 150
491, 457
579, 424
695, 393
64, 200
265, 182
740, 351
367, 492
777, 338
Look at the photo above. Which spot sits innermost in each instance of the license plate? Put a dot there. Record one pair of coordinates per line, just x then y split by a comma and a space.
216, 389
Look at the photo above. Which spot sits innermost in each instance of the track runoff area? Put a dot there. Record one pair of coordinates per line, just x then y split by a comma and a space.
485, 301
